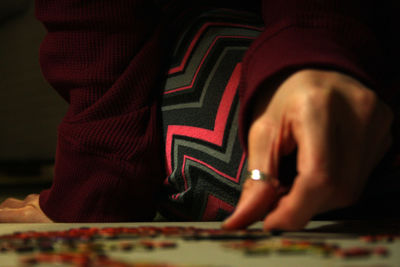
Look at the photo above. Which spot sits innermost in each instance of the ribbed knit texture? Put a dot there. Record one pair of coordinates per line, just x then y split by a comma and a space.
106, 58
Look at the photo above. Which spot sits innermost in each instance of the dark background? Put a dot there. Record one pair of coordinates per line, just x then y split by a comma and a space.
29, 109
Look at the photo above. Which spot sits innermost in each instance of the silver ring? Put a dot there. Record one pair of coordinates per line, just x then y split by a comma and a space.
258, 175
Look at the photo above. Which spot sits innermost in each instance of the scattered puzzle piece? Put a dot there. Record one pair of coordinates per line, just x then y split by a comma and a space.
299, 247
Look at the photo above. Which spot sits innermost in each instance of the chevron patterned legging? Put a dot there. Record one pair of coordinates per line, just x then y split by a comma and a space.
205, 162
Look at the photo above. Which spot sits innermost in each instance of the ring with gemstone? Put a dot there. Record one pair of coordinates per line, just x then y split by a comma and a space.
258, 175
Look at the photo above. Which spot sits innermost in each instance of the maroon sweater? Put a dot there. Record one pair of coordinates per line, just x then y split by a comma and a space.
106, 59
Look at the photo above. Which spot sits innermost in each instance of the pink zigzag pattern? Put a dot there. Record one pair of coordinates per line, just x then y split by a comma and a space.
234, 179
214, 136
215, 204
202, 61
197, 37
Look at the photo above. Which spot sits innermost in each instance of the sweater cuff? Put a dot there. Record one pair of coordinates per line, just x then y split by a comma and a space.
289, 50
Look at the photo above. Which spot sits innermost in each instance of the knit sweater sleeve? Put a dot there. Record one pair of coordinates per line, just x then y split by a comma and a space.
332, 34
104, 57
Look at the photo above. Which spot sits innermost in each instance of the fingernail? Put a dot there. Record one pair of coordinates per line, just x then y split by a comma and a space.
225, 222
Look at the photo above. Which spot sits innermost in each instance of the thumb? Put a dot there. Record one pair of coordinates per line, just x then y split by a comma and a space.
295, 209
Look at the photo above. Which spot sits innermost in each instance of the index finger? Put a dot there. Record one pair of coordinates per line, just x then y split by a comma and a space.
257, 197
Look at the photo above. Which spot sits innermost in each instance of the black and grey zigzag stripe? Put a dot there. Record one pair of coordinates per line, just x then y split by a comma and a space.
200, 117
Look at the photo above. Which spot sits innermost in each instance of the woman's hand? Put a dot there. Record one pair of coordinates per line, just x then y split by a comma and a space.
22, 211
341, 131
